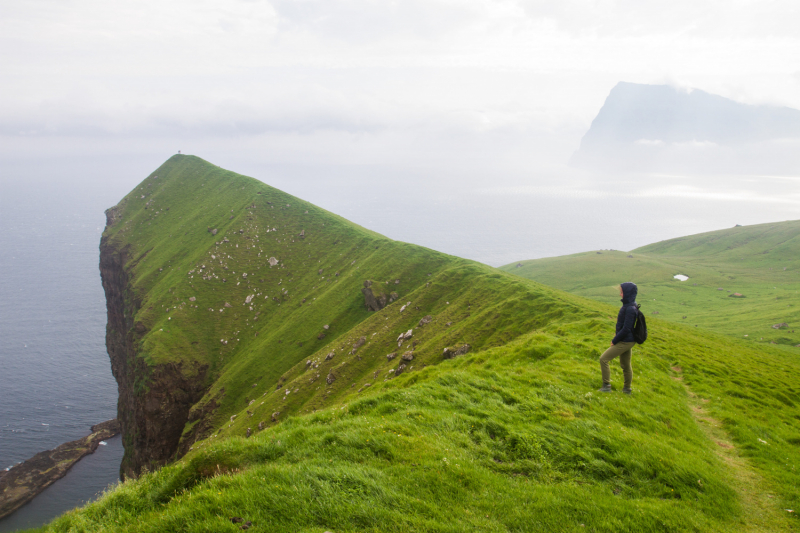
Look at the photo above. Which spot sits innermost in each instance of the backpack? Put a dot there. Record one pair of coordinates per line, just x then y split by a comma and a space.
640, 326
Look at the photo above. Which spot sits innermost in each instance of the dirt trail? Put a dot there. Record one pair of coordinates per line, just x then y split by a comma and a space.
761, 513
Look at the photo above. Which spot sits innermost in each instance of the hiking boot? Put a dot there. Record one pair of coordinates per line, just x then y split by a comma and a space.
627, 390
605, 388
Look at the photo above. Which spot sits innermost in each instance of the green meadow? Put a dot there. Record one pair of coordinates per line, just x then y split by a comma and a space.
760, 263
320, 417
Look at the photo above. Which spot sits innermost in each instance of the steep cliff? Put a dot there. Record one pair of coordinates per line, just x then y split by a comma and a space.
154, 401
216, 285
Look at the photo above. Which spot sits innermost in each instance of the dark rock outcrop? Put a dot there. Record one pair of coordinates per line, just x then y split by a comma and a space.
358, 344
154, 401
371, 301
200, 416
454, 351
23, 481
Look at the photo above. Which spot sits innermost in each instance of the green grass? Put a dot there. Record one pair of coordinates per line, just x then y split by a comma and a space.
510, 437
514, 433
760, 262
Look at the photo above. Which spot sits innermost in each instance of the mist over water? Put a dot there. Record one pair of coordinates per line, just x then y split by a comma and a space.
56, 379
500, 219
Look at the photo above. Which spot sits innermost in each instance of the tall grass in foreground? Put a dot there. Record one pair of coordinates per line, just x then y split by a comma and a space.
512, 438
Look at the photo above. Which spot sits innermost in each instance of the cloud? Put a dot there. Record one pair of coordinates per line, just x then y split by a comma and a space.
717, 195
695, 145
649, 142
543, 191
515, 75
196, 117
627, 18
374, 20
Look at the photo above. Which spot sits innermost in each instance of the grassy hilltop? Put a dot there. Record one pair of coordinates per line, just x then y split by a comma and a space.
355, 428
761, 263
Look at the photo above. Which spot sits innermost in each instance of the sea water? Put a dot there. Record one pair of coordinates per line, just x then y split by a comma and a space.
84, 482
55, 376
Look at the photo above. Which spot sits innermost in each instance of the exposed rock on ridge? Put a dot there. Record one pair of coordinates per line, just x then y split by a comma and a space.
373, 301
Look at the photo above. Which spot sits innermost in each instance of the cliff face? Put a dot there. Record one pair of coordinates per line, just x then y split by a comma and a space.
217, 286
154, 402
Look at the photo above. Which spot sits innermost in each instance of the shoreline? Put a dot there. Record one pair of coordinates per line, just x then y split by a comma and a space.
21, 483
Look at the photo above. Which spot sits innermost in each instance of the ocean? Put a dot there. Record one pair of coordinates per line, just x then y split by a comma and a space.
55, 375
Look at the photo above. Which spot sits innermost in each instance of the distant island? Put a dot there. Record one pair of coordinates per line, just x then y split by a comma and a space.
654, 127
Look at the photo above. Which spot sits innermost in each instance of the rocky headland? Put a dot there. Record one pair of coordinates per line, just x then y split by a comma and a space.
20, 483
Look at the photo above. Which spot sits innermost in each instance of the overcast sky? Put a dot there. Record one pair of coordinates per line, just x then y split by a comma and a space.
366, 81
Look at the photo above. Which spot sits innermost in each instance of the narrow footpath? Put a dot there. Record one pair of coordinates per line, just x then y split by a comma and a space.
760, 511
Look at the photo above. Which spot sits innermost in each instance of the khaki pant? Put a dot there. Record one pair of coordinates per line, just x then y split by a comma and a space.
623, 351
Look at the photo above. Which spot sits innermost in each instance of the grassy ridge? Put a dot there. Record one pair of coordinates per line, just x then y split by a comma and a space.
768, 245
166, 225
760, 262
511, 436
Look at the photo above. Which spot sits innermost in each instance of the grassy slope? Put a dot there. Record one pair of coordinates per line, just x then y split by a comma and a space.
174, 257
761, 262
508, 437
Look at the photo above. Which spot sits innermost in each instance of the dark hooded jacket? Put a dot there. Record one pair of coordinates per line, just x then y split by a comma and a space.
626, 317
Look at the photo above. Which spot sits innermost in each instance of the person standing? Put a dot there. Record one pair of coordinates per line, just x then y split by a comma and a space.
623, 341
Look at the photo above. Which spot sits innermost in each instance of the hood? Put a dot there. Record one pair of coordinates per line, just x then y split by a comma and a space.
629, 291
